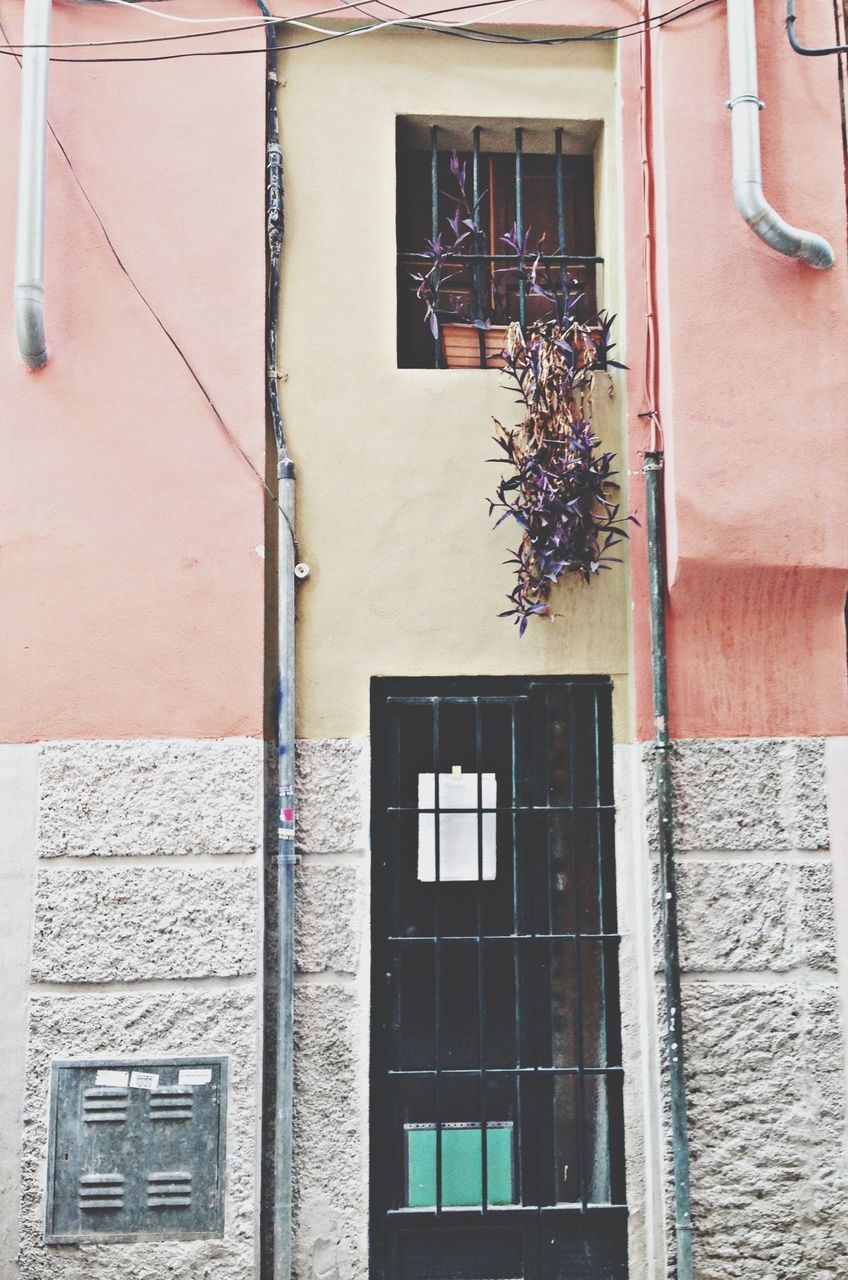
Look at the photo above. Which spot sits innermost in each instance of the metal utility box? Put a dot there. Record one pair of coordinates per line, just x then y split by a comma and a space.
136, 1150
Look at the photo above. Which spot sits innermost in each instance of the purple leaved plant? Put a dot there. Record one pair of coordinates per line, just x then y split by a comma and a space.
560, 485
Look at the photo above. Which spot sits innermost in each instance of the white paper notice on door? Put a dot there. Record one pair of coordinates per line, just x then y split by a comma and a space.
459, 833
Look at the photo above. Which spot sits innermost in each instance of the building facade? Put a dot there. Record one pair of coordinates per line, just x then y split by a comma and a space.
479, 1076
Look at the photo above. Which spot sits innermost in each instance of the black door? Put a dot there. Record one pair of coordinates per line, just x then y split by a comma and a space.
497, 1144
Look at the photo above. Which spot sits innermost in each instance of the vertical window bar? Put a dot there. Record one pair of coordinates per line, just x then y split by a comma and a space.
578, 966
481, 995
434, 218
560, 192
478, 239
560, 205
519, 221
437, 949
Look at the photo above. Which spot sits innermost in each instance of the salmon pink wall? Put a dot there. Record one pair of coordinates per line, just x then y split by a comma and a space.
132, 592
131, 585
755, 395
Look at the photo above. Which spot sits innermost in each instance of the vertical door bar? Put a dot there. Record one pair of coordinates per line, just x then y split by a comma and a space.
437, 949
518, 1135
434, 215
599, 863
578, 966
481, 989
519, 222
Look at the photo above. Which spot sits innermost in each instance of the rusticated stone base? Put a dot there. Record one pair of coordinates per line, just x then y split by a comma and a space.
145, 943
762, 1026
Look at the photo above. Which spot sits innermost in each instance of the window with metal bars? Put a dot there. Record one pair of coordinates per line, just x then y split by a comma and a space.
534, 176
497, 1135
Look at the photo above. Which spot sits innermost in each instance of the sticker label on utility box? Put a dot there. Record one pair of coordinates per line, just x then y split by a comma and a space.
195, 1075
144, 1080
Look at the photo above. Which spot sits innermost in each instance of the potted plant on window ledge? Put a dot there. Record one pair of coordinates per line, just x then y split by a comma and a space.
470, 320
469, 325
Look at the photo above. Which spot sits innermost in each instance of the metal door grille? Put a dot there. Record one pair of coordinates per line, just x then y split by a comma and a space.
497, 1127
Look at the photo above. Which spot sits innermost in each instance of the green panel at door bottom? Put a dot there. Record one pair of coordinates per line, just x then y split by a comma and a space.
462, 1164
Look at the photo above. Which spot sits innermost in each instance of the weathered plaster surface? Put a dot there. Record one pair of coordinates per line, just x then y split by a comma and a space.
150, 797
222, 1021
333, 795
114, 924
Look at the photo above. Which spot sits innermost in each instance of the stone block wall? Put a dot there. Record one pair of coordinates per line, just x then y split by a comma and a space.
145, 942
761, 1007
332, 998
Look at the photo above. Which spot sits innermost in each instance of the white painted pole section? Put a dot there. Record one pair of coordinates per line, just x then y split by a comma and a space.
745, 108
29, 256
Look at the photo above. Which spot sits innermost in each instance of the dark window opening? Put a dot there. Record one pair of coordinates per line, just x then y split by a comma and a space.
497, 1133
543, 191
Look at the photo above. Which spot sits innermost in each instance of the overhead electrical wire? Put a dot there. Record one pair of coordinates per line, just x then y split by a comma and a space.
272, 19
227, 431
674, 14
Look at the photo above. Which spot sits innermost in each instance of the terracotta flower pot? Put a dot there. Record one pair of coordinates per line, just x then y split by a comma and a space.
461, 346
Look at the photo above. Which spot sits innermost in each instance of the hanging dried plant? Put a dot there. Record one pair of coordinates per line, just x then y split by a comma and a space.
560, 488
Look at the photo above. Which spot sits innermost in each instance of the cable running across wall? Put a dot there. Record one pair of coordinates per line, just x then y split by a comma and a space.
225, 428
608, 34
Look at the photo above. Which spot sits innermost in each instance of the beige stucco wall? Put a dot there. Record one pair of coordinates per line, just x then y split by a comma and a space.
407, 575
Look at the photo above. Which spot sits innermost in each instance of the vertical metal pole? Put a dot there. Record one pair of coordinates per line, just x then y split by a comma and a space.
519, 220
434, 214
285, 859
278, 1030
29, 253
671, 950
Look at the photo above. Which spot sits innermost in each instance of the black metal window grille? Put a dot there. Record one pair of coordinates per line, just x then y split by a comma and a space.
548, 193
496, 1117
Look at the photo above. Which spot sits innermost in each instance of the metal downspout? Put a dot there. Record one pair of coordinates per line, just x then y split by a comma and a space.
665, 821
29, 252
745, 106
278, 1047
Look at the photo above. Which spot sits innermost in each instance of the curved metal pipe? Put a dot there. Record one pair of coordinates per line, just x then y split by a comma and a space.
820, 51
29, 254
745, 107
